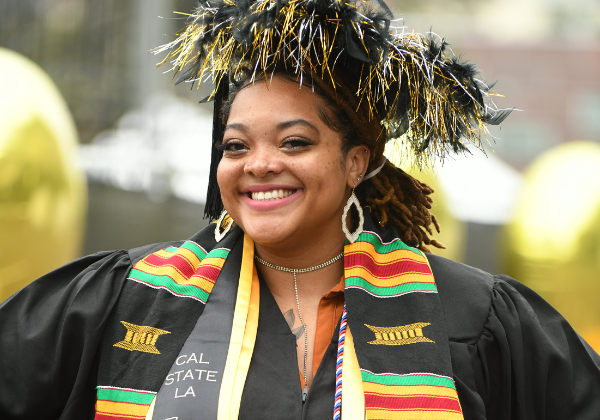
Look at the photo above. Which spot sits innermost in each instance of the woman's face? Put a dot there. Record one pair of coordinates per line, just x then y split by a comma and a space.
283, 176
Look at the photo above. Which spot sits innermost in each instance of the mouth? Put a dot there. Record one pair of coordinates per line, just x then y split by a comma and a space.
276, 194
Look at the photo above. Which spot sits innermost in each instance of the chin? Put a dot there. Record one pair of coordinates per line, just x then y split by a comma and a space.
268, 231
267, 234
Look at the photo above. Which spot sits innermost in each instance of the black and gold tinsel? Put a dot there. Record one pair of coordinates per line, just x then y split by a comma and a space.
412, 83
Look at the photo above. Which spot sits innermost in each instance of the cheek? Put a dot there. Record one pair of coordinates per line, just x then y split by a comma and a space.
331, 179
227, 179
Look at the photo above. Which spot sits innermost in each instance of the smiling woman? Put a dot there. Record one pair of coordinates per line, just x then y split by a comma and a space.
314, 295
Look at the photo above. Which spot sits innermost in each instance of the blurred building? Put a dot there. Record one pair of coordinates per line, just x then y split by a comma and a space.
555, 86
96, 52
148, 175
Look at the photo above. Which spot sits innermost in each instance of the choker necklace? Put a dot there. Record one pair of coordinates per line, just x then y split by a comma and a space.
296, 271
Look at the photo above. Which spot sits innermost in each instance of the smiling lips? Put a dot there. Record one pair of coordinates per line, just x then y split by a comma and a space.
271, 195
270, 199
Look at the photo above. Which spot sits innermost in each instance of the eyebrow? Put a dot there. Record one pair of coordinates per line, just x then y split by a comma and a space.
299, 121
281, 126
236, 126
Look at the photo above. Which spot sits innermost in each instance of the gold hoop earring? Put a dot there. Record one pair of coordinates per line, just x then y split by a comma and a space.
224, 218
352, 237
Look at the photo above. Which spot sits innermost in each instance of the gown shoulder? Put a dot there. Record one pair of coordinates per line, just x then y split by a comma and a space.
513, 355
50, 332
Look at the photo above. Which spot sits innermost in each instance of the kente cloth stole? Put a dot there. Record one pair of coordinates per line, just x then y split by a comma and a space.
395, 346
393, 358
156, 311
154, 344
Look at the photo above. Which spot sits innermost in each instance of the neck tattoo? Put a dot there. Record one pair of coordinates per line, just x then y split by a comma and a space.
295, 271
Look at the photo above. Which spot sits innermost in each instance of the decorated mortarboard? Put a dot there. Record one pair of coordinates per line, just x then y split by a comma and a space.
411, 84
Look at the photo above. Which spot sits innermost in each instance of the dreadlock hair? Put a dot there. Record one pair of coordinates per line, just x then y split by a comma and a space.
394, 197
402, 201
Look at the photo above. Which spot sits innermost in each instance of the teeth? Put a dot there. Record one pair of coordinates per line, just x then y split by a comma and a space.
271, 195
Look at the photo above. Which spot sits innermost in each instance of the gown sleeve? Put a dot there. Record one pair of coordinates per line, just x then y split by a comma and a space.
49, 335
528, 363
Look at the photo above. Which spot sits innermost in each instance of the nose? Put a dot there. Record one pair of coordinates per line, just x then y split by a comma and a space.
263, 163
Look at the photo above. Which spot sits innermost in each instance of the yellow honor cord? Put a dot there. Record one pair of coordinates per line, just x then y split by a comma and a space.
150, 412
243, 336
247, 346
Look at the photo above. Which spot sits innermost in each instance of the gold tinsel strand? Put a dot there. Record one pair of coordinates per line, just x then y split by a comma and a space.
432, 115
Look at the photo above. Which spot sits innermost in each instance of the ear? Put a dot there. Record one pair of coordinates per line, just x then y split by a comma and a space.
357, 163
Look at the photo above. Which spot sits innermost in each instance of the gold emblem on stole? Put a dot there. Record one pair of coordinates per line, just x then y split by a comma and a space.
140, 338
399, 336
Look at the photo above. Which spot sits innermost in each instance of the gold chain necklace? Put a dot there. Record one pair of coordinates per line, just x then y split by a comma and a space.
296, 271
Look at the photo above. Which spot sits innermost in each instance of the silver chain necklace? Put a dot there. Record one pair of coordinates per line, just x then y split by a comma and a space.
296, 271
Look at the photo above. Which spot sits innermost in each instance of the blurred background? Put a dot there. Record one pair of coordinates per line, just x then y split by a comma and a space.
99, 151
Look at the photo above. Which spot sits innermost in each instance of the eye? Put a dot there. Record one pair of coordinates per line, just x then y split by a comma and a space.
232, 146
295, 144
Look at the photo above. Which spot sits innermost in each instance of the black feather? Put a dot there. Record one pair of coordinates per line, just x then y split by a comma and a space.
355, 38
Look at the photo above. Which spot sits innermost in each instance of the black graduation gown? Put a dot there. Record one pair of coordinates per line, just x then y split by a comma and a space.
513, 356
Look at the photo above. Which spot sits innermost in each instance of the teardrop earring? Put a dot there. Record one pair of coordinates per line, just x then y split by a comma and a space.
352, 237
224, 217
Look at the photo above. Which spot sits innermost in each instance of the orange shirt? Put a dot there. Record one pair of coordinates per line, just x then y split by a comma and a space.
330, 310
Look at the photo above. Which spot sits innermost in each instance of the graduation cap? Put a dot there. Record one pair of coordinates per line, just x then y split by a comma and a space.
411, 84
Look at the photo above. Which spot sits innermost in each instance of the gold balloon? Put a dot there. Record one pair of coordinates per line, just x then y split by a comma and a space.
43, 196
453, 233
553, 242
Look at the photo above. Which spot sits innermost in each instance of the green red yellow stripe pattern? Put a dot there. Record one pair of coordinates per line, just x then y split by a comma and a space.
187, 271
386, 270
412, 396
122, 403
